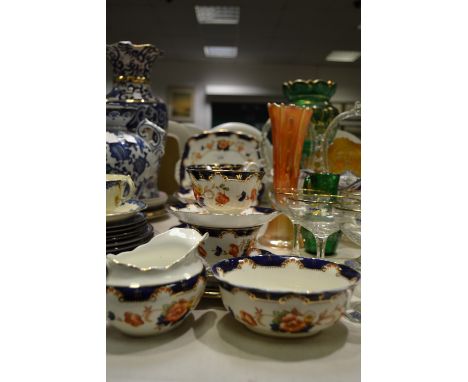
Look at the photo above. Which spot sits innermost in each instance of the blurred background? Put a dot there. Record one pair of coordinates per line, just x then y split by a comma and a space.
223, 60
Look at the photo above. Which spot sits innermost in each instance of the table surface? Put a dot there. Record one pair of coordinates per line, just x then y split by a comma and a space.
211, 345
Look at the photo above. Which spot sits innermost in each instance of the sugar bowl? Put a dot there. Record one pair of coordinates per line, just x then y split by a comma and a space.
152, 289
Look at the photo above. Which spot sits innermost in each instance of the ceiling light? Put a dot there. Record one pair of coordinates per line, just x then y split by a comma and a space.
343, 56
217, 14
220, 51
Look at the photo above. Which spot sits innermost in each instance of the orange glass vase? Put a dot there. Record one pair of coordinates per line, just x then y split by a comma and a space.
289, 124
289, 127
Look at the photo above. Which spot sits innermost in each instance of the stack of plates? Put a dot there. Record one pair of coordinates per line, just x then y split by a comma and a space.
126, 235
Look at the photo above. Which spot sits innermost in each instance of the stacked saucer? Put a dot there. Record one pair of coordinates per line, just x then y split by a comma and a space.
127, 234
127, 227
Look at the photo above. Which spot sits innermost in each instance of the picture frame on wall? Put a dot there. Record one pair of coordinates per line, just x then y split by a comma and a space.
181, 104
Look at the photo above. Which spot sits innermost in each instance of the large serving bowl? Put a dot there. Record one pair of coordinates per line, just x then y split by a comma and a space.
152, 289
226, 243
225, 188
285, 296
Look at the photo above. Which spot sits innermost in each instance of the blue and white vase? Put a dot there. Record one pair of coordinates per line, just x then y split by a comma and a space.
136, 120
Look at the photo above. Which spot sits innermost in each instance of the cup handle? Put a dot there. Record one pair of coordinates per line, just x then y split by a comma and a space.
131, 189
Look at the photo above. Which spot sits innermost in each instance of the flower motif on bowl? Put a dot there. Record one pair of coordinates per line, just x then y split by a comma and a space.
288, 320
133, 319
222, 193
201, 251
174, 312
152, 310
291, 321
223, 144
247, 318
222, 198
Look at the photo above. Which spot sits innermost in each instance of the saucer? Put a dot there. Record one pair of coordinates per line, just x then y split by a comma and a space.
123, 225
124, 241
196, 215
126, 210
124, 235
157, 201
125, 229
128, 247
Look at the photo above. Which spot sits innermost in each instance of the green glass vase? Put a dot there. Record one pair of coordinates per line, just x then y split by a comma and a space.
315, 94
326, 183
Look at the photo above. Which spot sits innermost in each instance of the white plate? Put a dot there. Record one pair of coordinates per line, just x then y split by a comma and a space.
198, 216
128, 209
157, 201
217, 147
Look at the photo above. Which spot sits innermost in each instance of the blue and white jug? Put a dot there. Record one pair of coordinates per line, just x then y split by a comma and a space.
136, 120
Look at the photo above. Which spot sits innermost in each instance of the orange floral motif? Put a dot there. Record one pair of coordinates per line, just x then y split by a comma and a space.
233, 250
253, 194
197, 155
177, 310
223, 145
250, 248
247, 318
197, 191
293, 322
222, 198
133, 319
209, 145
240, 148
201, 251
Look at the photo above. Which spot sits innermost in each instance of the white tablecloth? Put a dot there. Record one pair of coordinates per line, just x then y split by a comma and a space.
212, 346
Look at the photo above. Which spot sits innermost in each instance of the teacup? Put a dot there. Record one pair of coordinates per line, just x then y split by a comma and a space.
225, 188
119, 188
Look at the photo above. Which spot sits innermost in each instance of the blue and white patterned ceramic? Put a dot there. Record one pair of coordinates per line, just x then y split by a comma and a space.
285, 296
136, 120
154, 288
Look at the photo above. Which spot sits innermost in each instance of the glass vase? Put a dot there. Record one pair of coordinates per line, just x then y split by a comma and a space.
289, 126
316, 95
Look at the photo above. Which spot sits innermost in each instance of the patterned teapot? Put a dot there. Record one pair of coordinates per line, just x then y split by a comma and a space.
135, 119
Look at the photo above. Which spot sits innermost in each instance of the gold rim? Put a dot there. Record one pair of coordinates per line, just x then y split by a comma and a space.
134, 79
337, 202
